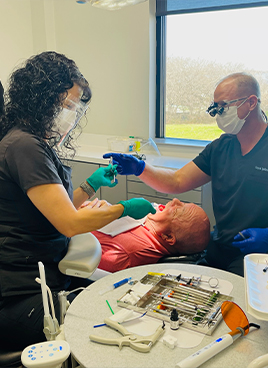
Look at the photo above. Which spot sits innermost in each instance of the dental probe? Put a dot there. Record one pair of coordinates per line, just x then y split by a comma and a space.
111, 163
242, 236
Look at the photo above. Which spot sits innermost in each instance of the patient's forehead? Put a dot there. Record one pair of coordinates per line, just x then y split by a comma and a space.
188, 211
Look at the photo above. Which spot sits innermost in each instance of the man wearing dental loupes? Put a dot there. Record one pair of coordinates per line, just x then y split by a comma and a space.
237, 166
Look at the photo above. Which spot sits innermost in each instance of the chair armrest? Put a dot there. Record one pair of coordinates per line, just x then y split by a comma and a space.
83, 256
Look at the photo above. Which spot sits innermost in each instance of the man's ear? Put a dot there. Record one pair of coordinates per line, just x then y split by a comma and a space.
169, 238
253, 102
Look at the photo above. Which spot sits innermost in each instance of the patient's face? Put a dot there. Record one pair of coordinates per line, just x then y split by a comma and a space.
174, 209
177, 220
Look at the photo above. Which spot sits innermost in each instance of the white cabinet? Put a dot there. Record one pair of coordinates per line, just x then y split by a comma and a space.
136, 188
81, 171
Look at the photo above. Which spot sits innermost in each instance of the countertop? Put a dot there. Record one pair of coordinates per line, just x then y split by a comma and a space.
92, 147
90, 308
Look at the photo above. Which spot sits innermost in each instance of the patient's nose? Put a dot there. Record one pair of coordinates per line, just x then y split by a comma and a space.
177, 202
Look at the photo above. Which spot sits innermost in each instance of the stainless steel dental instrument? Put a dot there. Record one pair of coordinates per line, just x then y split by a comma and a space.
198, 308
111, 163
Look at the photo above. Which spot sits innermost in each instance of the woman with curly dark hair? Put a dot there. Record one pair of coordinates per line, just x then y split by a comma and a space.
39, 211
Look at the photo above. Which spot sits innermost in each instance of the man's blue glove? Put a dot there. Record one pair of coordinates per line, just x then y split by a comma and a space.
137, 208
126, 164
253, 240
103, 177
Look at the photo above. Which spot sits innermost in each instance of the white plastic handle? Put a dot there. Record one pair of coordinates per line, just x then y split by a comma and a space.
260, 362
43, 288
202, 355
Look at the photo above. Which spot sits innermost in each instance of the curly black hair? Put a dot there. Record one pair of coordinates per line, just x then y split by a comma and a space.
36, 92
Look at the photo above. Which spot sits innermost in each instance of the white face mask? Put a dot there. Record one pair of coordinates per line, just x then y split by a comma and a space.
229, 121
64, 123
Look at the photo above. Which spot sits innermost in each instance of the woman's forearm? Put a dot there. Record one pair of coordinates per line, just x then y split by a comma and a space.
54, 203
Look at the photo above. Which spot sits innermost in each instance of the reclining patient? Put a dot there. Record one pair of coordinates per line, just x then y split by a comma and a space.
177, 228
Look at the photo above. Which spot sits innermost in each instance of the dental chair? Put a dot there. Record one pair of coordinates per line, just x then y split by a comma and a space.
81, 260
198, 258
10, 358
195, 258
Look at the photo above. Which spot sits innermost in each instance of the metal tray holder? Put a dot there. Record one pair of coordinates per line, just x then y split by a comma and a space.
198, 309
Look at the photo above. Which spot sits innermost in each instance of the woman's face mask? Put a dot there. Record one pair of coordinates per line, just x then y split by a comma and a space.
229, 121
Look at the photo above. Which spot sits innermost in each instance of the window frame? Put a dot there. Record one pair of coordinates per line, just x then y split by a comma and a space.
161, 22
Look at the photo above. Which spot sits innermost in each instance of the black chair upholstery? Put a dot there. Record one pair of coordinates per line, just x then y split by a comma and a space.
10, 358
196, 258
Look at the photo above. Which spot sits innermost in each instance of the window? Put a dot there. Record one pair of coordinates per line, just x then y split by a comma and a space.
196, 48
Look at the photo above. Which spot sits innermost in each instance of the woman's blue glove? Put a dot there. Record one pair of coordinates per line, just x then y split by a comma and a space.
253, 240
103, 177
126, 164
137, 208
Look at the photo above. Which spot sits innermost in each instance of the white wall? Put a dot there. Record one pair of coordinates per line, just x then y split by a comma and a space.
115, 50
112, 50
16, 35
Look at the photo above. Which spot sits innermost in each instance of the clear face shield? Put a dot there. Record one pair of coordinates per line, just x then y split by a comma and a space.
72, 111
